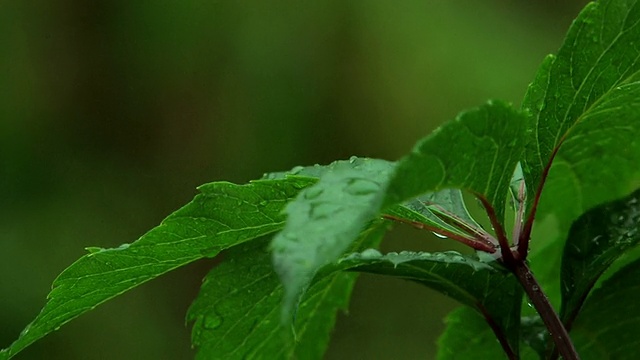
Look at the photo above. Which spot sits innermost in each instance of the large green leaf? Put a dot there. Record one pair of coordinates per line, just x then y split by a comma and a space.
223, 215
609, 324
596, 240
586, 102
491, 290
325, 218
584, 105
237, 312
487, 145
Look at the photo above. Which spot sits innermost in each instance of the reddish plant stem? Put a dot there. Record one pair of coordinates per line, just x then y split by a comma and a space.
525, 235
506, 253
500, 335
478, 244
549, 317
517, 265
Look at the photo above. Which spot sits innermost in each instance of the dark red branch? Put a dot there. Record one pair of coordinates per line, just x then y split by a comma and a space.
476, 243
525, 235
454, 220
507, 256
549, 317
500, 335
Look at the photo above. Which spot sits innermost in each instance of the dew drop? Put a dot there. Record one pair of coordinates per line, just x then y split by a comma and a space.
360, 187
313, 193
212, 321
530, 305
370, 254
94, 249
439, 235
321, 210
297, 170
353, 159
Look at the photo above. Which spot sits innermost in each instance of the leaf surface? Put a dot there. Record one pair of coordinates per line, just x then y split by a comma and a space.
489, 289
585, 104
221, 216
325, 218
597, 239
237, 313
488, 142
609, 324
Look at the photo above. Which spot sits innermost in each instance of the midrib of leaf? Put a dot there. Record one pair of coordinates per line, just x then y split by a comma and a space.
552, 75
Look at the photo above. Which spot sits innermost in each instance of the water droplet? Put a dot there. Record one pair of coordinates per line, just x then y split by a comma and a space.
297, 170
360, 187
439, 235
321, 210
93, 249
596, 240
535, 288
212, 321
353, 159
313, 193
210, 252
370, 254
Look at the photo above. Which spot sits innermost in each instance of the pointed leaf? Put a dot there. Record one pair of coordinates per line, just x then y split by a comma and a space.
491, 290
223, 215
609, 324
587, 100
324, 220
488, 145
237, 312
596, 240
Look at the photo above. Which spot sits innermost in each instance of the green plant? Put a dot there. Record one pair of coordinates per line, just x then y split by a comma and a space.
568, 157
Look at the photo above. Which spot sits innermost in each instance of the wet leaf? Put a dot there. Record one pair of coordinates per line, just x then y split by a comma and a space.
489, 144
222, 216
609, 324
489, 289
585, 102
324, 220
237, 313
597, 239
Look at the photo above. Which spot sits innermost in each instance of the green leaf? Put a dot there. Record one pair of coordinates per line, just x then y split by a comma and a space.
488, 145
223, 215
237, 313
467, 336
609, 324
431, 208
491, 290
324, 220
586, 102
597, 239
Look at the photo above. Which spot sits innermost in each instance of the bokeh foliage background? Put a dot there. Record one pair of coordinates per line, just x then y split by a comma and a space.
112, 112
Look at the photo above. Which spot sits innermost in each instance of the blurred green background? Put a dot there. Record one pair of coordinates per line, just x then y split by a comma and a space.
112, 112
